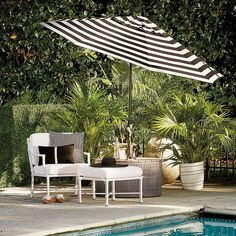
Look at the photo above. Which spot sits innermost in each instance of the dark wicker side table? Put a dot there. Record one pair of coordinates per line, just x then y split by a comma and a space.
152, 178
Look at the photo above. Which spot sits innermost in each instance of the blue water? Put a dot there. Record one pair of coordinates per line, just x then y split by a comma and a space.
180, 225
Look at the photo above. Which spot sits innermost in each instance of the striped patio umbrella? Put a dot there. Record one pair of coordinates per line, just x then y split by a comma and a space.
137, 41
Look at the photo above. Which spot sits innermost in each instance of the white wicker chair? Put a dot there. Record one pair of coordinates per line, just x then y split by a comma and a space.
55, 140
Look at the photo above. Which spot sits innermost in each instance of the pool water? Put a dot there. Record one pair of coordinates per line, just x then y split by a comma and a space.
179, 225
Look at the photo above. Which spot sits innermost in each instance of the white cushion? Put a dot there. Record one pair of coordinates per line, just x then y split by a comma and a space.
55, 139
59, 169
110, 173
40, 139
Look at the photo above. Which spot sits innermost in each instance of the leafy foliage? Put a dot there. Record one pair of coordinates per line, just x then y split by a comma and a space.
149, 89
88, 109
33, 58
197, 126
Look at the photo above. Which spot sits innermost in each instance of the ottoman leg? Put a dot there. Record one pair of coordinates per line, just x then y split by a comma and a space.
94, 189
141, 189
76, 185
113, 190
106, 192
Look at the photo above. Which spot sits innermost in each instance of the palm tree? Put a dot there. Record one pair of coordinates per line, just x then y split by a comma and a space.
89, 109
197, 126
149, 89
198, 130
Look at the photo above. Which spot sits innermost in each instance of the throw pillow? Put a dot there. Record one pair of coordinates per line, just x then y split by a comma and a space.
60, 139
49, 154
65, 154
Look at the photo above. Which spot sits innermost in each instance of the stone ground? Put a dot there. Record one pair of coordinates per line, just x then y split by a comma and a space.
21, 215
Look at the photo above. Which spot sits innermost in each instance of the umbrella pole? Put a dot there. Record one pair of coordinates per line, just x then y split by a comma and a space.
130, 88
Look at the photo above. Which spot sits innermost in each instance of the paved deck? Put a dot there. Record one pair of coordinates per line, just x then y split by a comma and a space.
21, 215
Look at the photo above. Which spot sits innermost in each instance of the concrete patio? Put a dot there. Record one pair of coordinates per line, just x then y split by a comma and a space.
21, 215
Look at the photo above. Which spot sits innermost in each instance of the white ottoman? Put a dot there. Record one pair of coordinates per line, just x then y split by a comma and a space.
107, 174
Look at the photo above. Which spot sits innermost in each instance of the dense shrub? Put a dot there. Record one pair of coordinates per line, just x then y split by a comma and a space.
17, 123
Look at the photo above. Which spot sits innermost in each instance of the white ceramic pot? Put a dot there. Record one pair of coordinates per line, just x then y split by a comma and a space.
192, 175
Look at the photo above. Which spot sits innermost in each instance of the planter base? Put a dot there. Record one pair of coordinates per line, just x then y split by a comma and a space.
192, 175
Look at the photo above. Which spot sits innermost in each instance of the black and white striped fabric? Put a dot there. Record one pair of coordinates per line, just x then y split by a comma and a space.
137, 41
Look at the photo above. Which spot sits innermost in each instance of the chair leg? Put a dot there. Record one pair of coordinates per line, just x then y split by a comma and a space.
32, 186
79, 189
48, 185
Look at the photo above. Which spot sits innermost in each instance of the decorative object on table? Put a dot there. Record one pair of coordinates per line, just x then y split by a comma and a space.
108, 162
120, 150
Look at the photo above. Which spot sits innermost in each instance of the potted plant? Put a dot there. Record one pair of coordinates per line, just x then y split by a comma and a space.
198, 128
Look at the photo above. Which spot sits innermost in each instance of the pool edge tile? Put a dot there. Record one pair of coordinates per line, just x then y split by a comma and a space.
129, 219
99, 224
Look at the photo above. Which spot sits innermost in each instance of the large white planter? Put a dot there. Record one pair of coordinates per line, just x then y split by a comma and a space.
192, 175
170, 171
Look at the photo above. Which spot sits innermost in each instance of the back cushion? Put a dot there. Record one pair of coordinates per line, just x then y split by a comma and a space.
49, 155
65, 154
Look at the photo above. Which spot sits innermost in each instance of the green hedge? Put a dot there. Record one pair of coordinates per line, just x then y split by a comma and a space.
16, 124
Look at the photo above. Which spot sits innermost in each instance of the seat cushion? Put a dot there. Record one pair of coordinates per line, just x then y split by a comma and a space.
58, 169
110, 173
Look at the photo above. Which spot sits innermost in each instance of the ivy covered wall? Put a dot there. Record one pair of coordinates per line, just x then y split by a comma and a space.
17, 124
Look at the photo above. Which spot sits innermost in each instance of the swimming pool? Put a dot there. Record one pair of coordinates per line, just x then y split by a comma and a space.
177, 225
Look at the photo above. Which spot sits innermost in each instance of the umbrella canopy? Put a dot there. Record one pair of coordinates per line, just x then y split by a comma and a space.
137, 41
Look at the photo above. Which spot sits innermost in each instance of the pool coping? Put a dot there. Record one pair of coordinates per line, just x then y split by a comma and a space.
30, 217
184, 210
